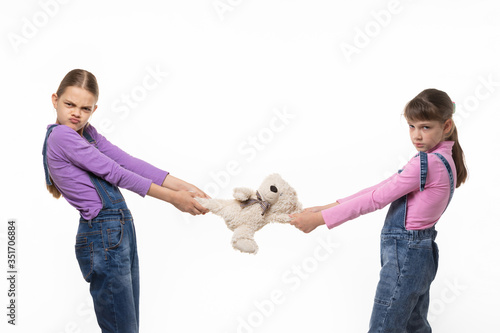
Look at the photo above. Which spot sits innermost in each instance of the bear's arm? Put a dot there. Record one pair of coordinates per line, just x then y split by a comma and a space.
280, 218
242, 193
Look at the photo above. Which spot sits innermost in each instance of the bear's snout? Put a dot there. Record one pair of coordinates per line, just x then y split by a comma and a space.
273, 189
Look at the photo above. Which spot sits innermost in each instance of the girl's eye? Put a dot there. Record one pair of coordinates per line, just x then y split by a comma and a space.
411, 126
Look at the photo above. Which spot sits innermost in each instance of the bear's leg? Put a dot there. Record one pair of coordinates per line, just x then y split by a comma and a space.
243, 239
213, 205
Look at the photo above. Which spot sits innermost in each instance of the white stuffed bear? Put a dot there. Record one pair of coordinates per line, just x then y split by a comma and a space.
251, 210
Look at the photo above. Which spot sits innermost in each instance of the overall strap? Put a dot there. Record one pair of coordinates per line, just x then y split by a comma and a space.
450, 174
110, 195
395, 219
87, 136
423, 170
44, 153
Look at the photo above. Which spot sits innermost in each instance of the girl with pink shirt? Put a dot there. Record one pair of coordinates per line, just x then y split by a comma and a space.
419, 194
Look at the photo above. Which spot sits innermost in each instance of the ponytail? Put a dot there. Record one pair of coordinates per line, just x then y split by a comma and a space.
458, 157
53, 190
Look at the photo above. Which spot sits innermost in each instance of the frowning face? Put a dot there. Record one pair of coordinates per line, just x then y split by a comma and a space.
425, 135
74, 107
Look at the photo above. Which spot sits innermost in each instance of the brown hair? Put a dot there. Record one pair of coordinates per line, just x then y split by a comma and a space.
433, 104
79, 78
75, 78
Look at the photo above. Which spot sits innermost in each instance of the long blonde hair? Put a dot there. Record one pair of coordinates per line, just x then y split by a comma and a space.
75, 78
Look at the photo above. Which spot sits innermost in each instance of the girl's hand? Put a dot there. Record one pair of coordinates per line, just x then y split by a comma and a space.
181, 199
307, 221
313, 209
185, 202
317, 209
197, 192
177, 184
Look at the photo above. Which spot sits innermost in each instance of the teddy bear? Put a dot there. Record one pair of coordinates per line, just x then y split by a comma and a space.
251, 210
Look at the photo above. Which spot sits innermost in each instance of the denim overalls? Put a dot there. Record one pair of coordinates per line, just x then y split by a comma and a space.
409, 261
107, 254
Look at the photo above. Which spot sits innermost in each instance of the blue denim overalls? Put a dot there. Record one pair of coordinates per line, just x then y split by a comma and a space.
106, 251
409, 261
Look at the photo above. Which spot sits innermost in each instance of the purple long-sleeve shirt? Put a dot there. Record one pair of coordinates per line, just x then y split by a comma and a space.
71, 157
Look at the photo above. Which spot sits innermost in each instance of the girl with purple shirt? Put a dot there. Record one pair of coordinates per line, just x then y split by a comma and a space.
86, 169
419, 194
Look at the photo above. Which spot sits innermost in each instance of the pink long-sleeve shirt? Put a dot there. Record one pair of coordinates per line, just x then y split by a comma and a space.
71, 157
424, 208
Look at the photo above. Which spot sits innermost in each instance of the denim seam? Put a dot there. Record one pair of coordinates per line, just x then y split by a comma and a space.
109, 232
91, 233
423, 170
81, 240
91, 259
397, 257
114, 201
104, 247
401, 273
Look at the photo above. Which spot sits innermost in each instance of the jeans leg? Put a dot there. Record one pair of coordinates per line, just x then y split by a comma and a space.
135, 275
114, 280
387, 286
418, 320
401, 305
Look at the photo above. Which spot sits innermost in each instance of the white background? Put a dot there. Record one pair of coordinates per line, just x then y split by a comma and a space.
224, 71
